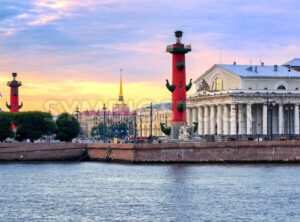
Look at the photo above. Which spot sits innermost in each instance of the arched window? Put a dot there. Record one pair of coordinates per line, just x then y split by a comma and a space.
281, 87
217, 84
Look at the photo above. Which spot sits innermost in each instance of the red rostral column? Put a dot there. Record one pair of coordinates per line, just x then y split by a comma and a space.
178, 87
14, 95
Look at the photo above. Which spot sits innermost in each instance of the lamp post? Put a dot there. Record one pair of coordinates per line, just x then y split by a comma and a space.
151, 123
98, 134
237, 122
77, 113
104, 122
270, 114
87, 130
141, 125
270, 105
166, 119
135, 125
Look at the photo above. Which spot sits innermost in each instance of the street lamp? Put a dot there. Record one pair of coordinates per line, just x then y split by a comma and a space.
77, 113
166, 119
104, 122
97, 133
135, 125
270, 105
87, 130
151, 122
141, 125
270, 111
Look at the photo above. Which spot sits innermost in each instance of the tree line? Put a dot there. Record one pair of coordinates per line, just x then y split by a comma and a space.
113, 131
35, 125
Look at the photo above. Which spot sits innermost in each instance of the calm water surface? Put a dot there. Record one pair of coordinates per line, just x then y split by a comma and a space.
113, 192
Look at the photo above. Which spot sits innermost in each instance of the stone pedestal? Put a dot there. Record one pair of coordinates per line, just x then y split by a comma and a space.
175, 130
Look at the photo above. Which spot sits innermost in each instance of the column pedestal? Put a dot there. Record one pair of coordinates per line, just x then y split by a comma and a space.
175, 130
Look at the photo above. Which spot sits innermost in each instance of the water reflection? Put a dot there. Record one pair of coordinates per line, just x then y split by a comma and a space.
115, 192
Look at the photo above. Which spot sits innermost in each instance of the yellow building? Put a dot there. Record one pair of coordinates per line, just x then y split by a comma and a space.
161, 113
120, 114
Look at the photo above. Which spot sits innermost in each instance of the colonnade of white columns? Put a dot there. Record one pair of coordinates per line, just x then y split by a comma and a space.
230, 119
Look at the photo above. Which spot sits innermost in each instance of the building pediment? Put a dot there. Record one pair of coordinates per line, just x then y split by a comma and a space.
217, 79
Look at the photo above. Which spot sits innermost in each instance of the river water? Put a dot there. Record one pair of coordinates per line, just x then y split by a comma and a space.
117, 192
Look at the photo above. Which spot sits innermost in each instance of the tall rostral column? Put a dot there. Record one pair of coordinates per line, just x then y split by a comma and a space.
178, 87
14, 95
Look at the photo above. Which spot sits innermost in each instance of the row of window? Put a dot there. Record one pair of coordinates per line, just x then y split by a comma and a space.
118, 122
219, 86
114, 117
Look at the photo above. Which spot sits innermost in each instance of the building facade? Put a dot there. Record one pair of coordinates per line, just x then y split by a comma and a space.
90, 119
161, 113
247, 102
120, 114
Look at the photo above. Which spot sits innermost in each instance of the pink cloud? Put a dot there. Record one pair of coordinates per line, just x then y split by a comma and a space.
44, 19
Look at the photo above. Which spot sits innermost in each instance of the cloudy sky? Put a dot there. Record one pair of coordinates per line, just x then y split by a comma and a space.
69, 52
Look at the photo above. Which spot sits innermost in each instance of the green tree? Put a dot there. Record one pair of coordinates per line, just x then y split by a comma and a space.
100, 130
67, 127
6, 126
119, 130
33, 125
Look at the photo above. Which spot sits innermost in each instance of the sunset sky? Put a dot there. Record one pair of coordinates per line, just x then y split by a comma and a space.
69, 53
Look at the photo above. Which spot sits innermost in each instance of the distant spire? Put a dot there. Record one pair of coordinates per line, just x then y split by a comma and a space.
121, 98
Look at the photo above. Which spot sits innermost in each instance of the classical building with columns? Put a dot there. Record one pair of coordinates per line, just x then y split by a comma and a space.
247, 102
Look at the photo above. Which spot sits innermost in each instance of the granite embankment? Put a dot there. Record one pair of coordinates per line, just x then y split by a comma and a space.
216, 152
42, 152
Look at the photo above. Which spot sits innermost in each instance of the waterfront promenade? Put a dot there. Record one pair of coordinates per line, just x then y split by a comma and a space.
208, 152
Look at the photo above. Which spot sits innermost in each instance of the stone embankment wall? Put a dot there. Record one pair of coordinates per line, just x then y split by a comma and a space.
42, 152
111, 152
216, 152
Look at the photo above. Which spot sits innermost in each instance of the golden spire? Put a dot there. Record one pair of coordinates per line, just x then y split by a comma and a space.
121, 98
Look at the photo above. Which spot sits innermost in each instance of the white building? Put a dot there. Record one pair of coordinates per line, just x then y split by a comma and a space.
242, 101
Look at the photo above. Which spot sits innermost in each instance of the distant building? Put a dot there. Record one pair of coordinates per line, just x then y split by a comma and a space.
162, 113
120, 114
247, 101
